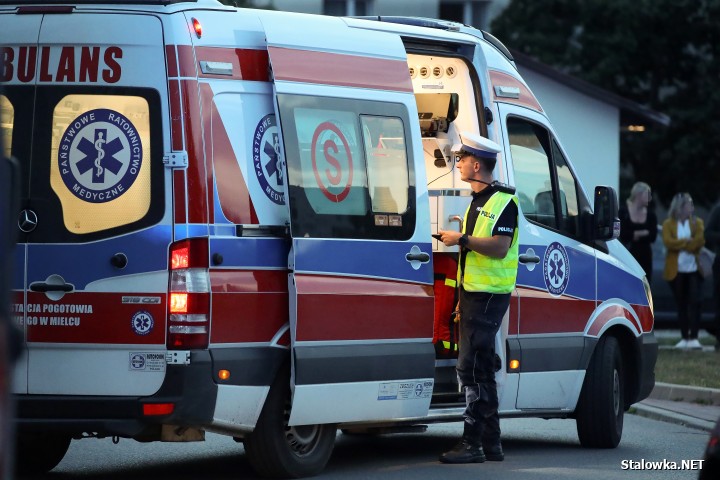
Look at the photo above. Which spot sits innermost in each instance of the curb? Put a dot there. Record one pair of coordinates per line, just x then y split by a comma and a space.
685, 393
702, 398
668, 416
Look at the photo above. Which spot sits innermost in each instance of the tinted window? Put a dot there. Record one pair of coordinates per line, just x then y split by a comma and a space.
529, 148
91, 163
569, 194
548, 191
7, 117
348, 169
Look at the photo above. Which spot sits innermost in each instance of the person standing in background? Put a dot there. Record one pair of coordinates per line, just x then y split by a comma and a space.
712, 237
683, 236
638, 226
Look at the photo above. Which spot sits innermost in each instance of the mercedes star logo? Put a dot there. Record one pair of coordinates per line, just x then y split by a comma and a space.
27, 221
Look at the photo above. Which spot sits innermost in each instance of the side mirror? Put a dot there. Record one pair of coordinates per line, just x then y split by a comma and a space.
606, 224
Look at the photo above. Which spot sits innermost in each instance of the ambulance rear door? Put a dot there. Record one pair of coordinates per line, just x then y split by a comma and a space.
86, 126
361, 304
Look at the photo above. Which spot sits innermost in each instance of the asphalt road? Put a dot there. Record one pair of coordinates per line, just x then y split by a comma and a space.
535, 449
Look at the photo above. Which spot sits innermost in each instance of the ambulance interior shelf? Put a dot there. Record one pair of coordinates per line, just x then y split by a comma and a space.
436, 111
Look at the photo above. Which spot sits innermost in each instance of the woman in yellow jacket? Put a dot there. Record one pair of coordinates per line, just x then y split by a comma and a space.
683, 236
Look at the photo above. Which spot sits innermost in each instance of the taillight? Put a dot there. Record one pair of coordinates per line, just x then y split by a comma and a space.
189, 295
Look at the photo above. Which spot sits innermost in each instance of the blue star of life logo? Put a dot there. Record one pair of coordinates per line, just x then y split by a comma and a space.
267, 161
142, 323
100, 155
272, 166
556, 268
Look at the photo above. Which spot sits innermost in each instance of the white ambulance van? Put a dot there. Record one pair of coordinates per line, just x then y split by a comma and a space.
226, 223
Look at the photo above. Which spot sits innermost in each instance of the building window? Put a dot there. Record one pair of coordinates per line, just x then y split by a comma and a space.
347, 7
469, 12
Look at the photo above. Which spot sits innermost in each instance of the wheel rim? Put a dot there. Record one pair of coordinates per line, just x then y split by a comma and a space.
616, 392
302, 439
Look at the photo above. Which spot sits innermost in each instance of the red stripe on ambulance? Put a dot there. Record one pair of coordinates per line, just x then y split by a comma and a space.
171, 56
94, 318
607, 314
358, 309
540, 313
206, 98
246, 64
196, 172
263, 295
338, 69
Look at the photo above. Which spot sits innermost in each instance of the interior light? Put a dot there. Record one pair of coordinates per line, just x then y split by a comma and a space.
636, 128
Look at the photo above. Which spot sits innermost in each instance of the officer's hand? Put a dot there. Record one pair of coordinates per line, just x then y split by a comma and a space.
449, 237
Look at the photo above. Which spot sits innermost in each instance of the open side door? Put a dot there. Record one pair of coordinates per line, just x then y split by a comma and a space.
360, 282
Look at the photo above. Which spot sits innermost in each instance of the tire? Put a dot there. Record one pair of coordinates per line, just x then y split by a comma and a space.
600, 411
38, 453
278, 451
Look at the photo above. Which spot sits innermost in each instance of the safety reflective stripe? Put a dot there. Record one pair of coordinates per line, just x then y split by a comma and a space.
449, 345
450, 282
487, 274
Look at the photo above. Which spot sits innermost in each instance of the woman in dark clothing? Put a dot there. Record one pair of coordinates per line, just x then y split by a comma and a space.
638, 226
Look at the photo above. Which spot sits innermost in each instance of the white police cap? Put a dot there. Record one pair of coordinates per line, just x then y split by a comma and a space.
476, 145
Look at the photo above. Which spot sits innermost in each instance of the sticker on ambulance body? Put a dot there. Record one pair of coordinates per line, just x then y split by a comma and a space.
266, 159
405, 390
556, 269
100, 155
147, 362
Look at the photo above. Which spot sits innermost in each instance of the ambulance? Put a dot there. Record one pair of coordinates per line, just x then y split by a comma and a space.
225, 226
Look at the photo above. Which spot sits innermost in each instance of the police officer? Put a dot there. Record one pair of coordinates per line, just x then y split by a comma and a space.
486, 277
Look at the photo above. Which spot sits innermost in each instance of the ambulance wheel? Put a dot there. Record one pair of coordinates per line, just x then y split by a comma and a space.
277, 450
38, 453
599, 415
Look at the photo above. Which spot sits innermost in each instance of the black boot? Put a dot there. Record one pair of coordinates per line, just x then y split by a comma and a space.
494, 451
467, 450
491, 439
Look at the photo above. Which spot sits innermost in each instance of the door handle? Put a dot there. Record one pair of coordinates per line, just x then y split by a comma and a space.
420, 257
49, 287
528, 258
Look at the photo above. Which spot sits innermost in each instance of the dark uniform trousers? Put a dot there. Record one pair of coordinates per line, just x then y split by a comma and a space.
480, 317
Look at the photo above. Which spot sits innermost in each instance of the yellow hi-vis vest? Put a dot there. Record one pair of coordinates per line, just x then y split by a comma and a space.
483, 273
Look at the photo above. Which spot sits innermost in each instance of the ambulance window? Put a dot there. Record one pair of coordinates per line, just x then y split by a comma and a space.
569, 198
384, 139
530, 151
332, 168
7, 121
100, 160
347, 168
